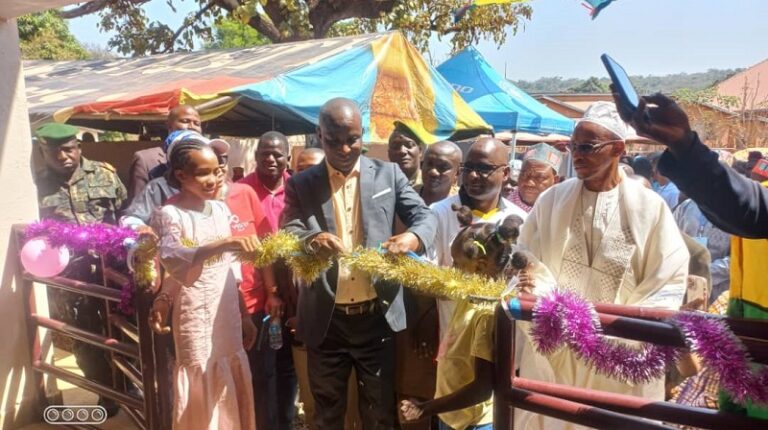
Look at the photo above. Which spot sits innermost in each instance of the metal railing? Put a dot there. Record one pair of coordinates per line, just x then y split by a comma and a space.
139, 359
604, 410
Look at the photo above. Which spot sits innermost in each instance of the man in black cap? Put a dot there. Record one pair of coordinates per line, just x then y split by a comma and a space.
77, 190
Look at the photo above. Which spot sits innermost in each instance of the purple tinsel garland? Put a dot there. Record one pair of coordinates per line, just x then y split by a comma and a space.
565, 319
103, 239
582, 333
725, 355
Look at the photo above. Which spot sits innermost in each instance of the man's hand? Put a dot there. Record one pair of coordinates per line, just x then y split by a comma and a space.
526, 279
250, 333
158, 315
693, 305
411, 410
326, 245
660, 119
291, 324
402, 243
274, 306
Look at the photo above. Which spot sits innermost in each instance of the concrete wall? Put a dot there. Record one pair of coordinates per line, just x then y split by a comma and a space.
18, 204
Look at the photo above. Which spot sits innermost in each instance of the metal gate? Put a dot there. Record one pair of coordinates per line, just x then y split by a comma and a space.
604, 410
137, 356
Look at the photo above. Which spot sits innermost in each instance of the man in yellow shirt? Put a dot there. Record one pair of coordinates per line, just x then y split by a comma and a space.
345, 318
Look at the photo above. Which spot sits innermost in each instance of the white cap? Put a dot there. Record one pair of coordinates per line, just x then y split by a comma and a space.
605, 115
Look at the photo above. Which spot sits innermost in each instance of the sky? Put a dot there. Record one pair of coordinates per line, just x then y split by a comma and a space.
648, 37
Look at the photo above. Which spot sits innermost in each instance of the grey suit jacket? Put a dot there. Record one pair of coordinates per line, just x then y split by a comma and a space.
384, 193
143, 162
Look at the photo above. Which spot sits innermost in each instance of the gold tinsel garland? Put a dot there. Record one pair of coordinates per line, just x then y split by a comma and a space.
144, 273
423, 277
447, 282
286, 246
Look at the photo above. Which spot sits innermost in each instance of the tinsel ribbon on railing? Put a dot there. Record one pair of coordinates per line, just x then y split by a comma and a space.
118, 242
140, 252
563, 319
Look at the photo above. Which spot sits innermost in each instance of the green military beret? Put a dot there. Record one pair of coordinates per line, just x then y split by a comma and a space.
56, 133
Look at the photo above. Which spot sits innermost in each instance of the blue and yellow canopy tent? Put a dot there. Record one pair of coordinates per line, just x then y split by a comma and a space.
246, 92
499, 102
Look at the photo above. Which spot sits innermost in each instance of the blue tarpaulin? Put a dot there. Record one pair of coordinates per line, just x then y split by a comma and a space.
385, 75
499, 102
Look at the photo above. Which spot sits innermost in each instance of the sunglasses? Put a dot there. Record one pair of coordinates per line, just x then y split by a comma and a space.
589, 148
483, 170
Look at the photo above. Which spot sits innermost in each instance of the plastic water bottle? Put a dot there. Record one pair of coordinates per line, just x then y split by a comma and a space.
275, 334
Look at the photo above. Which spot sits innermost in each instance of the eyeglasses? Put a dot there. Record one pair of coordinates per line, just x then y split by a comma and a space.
536, 178
589, 148
483, 170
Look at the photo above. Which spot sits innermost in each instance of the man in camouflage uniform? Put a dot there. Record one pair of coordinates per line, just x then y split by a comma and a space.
77, 190
73, 188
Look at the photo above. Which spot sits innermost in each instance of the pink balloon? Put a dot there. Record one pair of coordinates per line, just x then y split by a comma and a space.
41, 259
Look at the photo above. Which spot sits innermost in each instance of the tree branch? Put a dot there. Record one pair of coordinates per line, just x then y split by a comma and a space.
263, 26
91, 7
323, 14
187, 22
274, 12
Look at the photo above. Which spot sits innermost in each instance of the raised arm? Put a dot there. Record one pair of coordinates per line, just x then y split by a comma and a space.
411, 208
733, 203
294, 220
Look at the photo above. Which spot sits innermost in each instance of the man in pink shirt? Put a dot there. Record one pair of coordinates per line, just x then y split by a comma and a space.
274, 376
272, 156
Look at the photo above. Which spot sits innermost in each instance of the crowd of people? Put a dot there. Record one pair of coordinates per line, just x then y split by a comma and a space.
365, 353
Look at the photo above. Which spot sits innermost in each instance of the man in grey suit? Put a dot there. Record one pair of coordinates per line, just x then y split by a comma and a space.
344, 318
181, 117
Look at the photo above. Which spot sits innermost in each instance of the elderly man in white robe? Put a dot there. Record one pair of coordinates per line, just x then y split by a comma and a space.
607, 238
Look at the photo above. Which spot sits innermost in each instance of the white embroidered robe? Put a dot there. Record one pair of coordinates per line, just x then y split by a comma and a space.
620, 246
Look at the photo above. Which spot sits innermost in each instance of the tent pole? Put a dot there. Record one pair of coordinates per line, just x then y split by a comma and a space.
513, 152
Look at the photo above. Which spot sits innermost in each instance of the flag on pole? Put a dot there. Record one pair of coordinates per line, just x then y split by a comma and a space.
595, 6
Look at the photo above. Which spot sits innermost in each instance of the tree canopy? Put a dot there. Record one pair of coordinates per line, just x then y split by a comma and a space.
292, 20
592, 85
644, 84
46, 36
230, 33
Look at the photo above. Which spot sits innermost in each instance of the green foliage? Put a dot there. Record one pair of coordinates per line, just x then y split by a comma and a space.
644, 84
46, 36
592, 85
290, 20
705, 96
420, 19
229, 33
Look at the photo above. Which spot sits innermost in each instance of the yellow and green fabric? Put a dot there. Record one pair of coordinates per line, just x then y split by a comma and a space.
748, 297
390, 81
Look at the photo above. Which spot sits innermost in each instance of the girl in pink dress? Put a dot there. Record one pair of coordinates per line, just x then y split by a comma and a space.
211, 326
